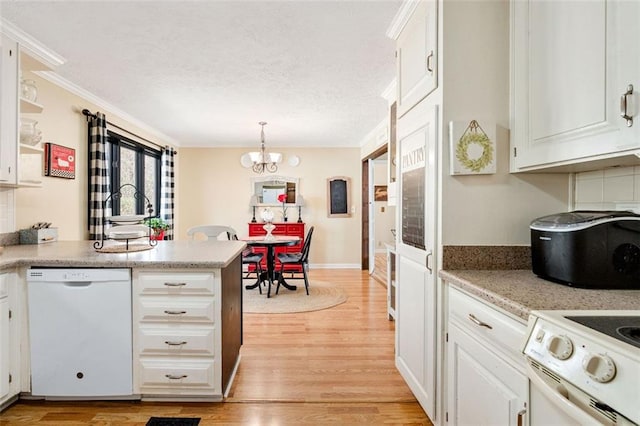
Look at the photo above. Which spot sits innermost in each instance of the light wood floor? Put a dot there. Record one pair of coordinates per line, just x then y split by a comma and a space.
380, 268
332, 366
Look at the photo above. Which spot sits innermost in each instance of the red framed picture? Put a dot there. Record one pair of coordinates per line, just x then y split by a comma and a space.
59, 161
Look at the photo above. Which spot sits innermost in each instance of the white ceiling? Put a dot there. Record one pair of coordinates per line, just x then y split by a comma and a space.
204, 73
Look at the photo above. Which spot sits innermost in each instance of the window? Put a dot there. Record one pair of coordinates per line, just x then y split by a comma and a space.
138, 165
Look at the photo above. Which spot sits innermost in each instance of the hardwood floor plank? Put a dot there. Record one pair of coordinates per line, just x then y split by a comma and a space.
331, 366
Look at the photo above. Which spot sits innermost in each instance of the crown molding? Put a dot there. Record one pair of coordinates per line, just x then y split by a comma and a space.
101, 103
401, 18
31, 46
389, 93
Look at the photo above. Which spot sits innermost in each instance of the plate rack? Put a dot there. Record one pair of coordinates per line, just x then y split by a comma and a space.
137, 195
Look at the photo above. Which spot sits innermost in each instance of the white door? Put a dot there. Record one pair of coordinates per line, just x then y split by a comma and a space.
372, 218
416, 280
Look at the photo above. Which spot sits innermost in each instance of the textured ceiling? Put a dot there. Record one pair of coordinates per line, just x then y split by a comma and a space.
205, 73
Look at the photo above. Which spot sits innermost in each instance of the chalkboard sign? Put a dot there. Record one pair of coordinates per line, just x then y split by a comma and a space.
338, 196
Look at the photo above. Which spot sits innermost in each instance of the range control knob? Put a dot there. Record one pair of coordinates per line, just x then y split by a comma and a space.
599, 367
560, 347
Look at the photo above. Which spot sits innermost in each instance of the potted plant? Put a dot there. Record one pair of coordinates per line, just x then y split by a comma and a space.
158, 226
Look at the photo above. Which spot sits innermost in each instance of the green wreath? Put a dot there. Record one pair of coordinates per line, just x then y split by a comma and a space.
487, 151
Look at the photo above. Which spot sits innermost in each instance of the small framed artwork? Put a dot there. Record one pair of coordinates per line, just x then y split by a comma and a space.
380, 192
338, 196
59, 161
473, 148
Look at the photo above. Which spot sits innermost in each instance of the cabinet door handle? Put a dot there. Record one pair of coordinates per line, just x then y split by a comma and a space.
478, 322
521, 416
175, 284
623, 106
175, 377
175, 312
427, 263
429, 64
174, 343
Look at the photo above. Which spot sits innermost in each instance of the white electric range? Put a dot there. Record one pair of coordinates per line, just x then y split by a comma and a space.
584, 367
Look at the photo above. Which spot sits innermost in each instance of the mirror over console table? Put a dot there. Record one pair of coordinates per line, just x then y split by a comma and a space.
265, 191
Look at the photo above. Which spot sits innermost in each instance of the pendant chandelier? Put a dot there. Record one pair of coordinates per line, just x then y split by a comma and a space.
262, 160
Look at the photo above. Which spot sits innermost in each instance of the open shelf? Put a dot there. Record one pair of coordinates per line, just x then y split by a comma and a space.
24, 148
29, 107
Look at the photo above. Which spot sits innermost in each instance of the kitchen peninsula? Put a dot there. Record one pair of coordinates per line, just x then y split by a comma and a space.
186, 314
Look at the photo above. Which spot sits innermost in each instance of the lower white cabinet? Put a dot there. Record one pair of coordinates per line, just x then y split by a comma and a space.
9, 338
485, 381
177, 338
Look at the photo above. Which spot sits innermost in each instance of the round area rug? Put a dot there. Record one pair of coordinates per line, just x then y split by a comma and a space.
322, 295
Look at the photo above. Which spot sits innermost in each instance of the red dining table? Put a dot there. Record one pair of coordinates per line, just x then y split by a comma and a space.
271, 274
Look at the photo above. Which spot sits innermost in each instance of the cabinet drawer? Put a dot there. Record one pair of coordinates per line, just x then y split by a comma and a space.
180, 340
175, 374
174, 283
176, 309
483, 321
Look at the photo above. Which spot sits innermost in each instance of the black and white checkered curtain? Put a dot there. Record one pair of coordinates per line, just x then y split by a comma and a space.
167, 188
98, 174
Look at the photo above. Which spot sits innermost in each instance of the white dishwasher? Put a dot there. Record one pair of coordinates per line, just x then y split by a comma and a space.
80, 333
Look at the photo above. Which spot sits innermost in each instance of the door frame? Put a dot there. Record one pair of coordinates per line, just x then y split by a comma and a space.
366, 185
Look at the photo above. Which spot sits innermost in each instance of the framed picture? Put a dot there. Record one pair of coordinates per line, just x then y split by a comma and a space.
59, 161
473, 148
380, 192
338, 196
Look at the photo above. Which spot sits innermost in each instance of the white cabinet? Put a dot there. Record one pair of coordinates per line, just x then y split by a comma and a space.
20, 164
573, 66
177, 333
9, 74
9, 338
485, 381
417, 56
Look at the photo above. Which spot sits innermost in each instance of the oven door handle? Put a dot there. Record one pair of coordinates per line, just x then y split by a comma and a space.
558, 399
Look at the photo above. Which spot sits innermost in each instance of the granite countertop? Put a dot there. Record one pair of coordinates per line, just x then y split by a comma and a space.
167, 254
521, 291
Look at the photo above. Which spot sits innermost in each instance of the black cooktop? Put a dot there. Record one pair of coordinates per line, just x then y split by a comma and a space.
623, 328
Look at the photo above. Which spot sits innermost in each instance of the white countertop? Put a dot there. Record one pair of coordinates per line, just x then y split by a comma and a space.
166, 254
521, 291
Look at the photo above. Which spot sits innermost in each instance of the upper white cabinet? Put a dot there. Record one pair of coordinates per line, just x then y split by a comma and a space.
575, 81
417, 54
9, 72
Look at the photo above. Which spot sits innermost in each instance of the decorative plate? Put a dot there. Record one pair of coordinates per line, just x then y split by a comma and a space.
245, 160
293, 160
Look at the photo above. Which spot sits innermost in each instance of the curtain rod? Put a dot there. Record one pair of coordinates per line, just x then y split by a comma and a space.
88, 114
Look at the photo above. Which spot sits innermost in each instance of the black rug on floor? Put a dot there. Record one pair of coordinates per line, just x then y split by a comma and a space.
173, 421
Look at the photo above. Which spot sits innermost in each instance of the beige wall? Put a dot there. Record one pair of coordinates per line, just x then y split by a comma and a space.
63, 202
214, 188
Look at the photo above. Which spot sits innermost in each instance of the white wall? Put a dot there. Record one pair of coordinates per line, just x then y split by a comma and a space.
610, 189
384, 214
486, 209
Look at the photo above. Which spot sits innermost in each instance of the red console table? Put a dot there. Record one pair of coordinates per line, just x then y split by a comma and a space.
295, 229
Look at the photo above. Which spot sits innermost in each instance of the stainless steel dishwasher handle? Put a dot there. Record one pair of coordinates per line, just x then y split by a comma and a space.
169, 284
478, 322
175, 312
174, 343
174, 377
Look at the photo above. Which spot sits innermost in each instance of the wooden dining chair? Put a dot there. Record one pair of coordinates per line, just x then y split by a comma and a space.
249, 257
301, 258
